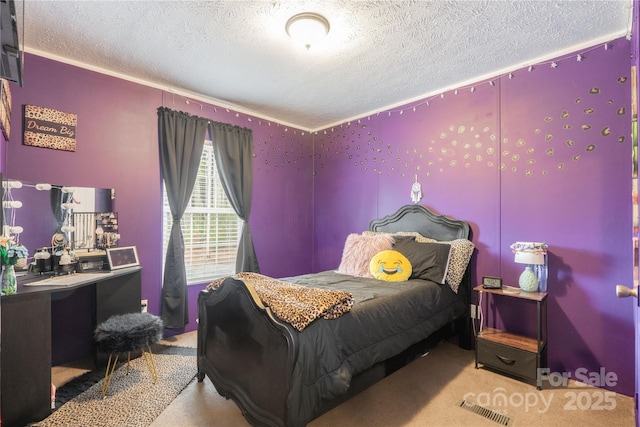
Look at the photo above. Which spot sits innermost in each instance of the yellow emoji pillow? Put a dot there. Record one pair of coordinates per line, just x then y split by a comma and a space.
390, 266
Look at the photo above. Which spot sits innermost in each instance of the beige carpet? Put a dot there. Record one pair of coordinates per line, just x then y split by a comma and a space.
426, 393
132, 400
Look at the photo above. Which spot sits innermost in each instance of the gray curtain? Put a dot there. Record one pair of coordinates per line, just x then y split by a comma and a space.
181, 138
233, 148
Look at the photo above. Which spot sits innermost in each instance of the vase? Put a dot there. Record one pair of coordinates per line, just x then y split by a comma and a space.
8, 279
528, 280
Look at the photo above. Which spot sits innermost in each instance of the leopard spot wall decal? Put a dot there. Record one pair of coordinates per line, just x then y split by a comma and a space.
594, 91
565, 114
606, 131
589, 111
586, 127
622, 111
590, 147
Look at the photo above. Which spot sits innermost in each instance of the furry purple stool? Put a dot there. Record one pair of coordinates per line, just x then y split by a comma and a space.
126, 333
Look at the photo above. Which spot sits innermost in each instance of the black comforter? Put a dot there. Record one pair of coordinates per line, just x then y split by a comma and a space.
387, 317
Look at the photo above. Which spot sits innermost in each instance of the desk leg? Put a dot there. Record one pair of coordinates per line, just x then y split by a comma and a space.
26, 359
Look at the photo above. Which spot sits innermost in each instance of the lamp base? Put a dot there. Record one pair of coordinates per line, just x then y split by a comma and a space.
528, 280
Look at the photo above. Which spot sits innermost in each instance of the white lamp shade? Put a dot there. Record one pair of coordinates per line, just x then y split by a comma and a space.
536, 258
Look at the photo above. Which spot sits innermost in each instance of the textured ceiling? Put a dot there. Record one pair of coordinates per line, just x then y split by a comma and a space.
378, 53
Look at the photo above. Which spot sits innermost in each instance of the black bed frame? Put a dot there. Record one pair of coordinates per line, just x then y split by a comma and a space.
249, 354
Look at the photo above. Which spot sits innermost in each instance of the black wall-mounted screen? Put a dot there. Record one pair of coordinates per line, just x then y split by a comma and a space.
11, 54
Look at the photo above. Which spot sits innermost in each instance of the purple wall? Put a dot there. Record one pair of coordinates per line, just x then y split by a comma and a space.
117, 147
541, 156
312, 190
635, 55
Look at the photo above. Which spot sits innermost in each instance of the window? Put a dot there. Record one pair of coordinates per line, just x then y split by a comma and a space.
210, 227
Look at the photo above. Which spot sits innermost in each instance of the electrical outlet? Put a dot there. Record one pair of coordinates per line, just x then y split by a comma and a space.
143, 305
474, 311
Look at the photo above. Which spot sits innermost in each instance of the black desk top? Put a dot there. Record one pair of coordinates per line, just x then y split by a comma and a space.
30, 283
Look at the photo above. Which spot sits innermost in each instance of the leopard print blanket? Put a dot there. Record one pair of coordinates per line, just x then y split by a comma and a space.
295, 304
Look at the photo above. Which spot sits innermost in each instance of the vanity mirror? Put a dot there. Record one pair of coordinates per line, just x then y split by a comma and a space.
55, 212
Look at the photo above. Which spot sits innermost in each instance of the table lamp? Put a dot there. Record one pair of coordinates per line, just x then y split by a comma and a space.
534, 255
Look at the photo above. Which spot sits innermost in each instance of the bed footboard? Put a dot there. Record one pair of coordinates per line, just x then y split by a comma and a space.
246, 352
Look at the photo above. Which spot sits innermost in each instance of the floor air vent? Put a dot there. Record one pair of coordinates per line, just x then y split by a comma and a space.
489, 414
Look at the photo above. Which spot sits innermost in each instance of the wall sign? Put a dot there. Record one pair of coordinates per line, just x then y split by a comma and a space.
5, 108
44, 127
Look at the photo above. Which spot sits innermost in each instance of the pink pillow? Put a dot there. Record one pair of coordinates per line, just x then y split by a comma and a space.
358, 251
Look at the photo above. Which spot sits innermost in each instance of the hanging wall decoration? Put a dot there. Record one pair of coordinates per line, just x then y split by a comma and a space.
5, 108
48, 128
416, 191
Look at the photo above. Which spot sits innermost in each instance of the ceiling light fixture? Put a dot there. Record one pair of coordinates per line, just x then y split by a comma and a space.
307, 28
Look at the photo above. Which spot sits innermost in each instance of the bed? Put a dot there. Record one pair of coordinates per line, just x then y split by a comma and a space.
280, 375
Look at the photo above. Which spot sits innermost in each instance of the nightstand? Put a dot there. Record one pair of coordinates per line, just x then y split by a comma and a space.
517, 355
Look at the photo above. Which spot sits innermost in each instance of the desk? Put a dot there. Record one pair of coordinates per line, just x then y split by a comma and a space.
26, 334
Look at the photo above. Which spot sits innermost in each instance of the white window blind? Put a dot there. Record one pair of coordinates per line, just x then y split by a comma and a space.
210, 227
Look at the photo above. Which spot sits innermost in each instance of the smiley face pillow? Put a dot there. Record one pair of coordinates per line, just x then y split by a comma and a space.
390, 266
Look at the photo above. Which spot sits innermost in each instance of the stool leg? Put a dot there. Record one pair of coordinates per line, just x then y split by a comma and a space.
109, 374
151, 363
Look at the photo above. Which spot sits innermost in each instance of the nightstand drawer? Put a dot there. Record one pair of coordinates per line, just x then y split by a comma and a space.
507, 359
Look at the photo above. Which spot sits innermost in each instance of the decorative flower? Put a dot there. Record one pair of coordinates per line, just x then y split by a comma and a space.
529, 247
10, 252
